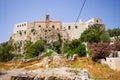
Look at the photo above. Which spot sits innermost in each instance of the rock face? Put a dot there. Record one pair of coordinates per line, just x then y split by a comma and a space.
63, 73
21, 78
50, 61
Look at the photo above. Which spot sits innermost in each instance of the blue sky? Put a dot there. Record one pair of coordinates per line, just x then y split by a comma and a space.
15, 11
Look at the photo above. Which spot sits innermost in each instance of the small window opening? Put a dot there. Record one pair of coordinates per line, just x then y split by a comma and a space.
76, 27
69, 27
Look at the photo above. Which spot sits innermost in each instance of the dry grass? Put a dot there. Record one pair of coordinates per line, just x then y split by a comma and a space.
33, 67
96, 70
22, 65
8, 65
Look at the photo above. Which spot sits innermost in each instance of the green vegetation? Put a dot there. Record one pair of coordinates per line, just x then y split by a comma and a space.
48, 53
95, 33
75, 46
105, 37
6, 52
115, 33
34, 49
19, 56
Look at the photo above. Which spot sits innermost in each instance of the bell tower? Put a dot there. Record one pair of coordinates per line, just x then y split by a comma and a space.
47, 20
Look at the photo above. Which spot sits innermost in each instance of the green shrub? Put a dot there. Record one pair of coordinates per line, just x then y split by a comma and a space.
19, 56
75, 47
34, 49
6, 52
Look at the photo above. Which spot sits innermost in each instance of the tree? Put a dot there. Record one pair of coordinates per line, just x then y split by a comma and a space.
94, 33
34, 49
101, 50
115, 33
6, 52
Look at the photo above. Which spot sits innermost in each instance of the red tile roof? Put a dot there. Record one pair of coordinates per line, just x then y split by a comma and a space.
43, 21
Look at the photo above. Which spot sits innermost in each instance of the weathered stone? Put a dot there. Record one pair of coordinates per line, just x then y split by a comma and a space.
50, 78
22, 77
2, 71
75, 56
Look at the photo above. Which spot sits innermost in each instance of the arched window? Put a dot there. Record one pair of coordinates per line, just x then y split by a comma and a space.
69, 27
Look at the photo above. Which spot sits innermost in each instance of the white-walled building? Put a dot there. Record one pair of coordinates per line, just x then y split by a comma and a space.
43, 28
23, 26
75, 29
21, 31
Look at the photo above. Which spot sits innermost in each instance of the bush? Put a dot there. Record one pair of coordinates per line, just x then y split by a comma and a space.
75, 47
34, 49
101, 50
80, 50
19, 56
94, 33
6, 52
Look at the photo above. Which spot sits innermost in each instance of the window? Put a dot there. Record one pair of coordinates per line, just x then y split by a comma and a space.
24, 32
69, 27
22, 25
39, 26
17, 25
76, 27
45, 30
97, 21
53, 26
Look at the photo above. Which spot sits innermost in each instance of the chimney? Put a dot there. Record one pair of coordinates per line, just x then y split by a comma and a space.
47, 17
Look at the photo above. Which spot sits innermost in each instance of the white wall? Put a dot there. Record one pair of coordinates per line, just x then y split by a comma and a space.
21, 26
113, 63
